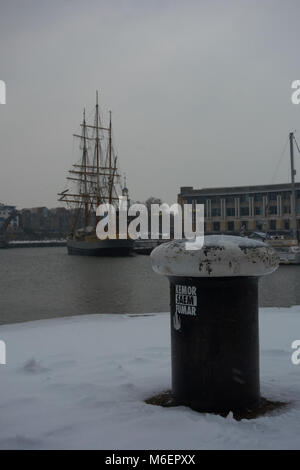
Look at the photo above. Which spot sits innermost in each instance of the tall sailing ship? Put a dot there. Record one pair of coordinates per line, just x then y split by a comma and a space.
97, 181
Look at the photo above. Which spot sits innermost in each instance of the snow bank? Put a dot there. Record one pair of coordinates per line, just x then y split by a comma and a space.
81, 382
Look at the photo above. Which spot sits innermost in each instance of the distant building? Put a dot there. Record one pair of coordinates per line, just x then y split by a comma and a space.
34, 218
41, 222
5, 212
231, 210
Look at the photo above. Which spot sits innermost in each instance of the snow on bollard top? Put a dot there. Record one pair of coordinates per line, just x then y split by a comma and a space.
220, 256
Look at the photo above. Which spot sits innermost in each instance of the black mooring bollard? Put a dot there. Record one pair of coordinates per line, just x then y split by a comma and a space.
214, 319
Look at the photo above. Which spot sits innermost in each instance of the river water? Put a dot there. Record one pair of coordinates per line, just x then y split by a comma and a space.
38, 283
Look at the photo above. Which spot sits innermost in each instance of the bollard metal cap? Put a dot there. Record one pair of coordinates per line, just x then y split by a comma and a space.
220, 256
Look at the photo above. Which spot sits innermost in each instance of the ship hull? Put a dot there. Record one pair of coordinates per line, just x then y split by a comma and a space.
100, 247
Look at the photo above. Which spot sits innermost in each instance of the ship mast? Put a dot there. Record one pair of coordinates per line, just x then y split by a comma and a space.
95, 179
110, 168
293, 200
84, 164
82, 196
97, 149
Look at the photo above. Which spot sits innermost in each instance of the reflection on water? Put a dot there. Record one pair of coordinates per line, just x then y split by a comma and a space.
41, 283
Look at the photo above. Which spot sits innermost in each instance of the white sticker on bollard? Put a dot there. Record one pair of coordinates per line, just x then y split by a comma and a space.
185, 300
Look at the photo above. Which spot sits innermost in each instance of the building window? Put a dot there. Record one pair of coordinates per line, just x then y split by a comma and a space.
272, 224
273, 210
286, 209
216, 226
244, 198
230, 226
286, 195
259, 225
272, 196
216, 212
258, 197
200, 200
287, 224
230, 211
229, 199
244, 210
258, 210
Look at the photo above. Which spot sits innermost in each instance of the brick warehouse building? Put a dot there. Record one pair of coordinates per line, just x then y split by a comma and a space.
229, 210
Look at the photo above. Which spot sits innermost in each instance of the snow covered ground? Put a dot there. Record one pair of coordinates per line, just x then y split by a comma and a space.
81, 382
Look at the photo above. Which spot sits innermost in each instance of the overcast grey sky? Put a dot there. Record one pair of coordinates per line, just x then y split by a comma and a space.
200, 91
